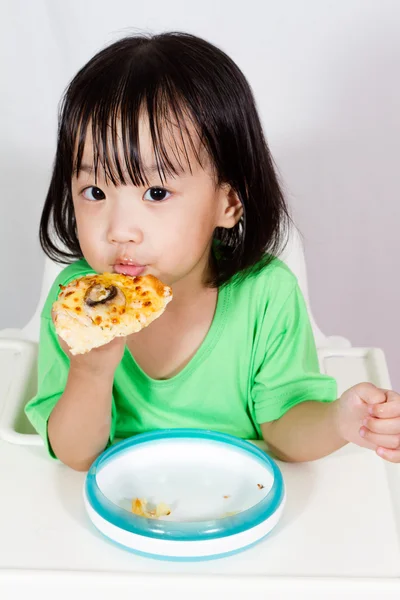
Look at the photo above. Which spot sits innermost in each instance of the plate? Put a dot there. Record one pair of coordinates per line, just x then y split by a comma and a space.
224, 494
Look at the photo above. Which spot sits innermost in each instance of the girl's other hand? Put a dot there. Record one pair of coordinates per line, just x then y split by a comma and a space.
370, 417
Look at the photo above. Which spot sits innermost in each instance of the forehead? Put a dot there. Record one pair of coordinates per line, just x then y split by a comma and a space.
142, 152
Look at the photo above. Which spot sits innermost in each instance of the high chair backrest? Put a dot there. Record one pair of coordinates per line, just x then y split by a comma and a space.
293, 256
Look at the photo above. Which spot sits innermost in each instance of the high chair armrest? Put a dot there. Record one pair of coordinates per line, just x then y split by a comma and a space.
18, 383
350, 366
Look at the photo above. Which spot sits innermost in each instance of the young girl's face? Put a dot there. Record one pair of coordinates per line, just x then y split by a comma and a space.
163, 229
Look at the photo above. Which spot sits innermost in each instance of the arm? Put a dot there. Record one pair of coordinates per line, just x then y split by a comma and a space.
305, 432
79, 424
294, 403
364, 415
73, 408
297, 408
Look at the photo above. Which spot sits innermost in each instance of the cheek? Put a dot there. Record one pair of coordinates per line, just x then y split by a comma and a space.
90, 235
186, 235
86, 234
90, 222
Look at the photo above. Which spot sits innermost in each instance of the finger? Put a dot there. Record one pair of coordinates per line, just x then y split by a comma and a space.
386, 441
385, 426
370, 394
389, 455
387, 410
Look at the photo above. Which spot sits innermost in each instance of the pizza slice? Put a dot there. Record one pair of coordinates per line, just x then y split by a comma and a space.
93, 310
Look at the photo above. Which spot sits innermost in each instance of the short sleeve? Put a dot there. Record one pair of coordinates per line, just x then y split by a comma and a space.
53, 368
286, 367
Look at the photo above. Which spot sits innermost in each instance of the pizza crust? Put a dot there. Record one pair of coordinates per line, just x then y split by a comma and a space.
93, 310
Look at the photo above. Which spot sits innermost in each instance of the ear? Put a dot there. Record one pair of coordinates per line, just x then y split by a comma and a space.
231, 209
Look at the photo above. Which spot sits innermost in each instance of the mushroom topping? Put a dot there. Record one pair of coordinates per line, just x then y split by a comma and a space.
98, 294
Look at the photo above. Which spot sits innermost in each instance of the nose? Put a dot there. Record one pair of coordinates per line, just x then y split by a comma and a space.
124, 227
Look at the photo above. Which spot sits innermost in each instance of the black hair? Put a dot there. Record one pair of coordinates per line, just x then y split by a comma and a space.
168, 75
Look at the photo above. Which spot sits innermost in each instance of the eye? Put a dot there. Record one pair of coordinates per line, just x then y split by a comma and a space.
93, 193
156, 194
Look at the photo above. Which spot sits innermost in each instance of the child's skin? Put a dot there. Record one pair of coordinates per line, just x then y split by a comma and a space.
172, 239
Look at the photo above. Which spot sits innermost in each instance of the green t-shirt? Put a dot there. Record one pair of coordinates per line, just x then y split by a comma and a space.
257, 360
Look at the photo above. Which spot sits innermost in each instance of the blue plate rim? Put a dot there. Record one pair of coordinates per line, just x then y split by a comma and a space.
184, 531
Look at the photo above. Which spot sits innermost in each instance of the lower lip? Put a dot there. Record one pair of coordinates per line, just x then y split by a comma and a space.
131, 270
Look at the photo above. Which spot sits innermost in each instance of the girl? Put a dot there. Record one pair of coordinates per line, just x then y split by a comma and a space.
162, 167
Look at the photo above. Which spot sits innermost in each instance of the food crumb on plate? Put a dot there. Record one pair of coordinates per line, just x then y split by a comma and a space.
139, 508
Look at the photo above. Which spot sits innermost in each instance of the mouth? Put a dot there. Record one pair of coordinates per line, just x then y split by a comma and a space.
131, 270
128, 267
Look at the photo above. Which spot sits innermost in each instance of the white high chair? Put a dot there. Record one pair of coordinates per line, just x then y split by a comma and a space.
339, 535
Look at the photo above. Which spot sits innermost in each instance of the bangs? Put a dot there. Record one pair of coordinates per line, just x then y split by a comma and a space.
113, 118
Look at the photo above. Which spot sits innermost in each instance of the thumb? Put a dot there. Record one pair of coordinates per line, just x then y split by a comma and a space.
370, 394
